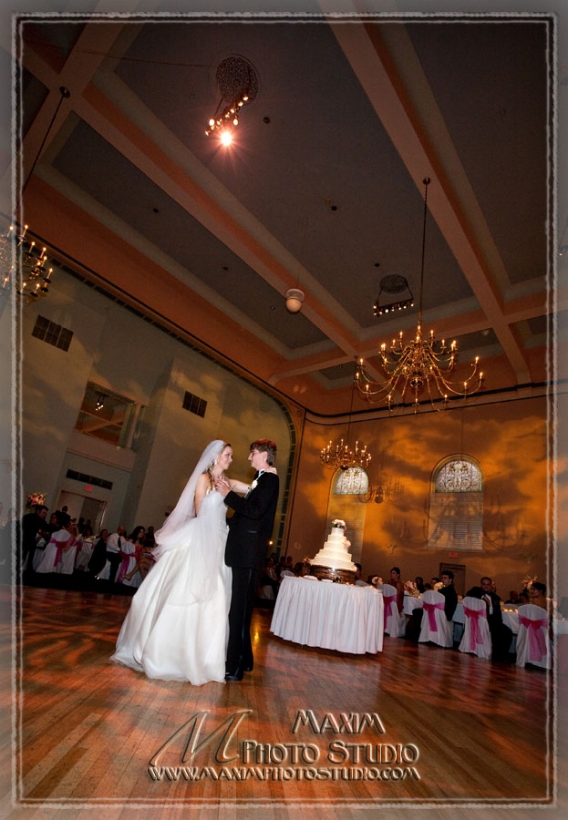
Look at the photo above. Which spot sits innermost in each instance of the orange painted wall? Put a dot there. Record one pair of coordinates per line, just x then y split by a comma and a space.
509, 440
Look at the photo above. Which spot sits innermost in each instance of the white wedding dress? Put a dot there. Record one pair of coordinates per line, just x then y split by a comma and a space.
177, 625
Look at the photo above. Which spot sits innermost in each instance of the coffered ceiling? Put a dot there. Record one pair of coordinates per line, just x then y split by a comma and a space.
322, 188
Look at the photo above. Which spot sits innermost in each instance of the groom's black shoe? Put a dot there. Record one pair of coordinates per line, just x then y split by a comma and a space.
238, 675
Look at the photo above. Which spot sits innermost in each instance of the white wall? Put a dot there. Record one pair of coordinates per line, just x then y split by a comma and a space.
114, 347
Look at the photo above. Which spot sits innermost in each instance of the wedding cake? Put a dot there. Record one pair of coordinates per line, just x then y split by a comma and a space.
333, 561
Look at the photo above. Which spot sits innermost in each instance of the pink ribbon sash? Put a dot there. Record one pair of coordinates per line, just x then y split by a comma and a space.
537, 643
475, 634
388, 599
123, 568
430, 609
59, 554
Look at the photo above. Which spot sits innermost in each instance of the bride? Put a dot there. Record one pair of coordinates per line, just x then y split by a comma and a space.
176, 627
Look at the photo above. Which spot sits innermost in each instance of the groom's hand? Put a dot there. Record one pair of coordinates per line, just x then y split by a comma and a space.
222, 486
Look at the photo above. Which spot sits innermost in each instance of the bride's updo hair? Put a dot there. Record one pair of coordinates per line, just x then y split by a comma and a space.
265, 445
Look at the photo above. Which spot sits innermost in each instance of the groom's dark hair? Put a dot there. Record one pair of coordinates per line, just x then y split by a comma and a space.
265, 445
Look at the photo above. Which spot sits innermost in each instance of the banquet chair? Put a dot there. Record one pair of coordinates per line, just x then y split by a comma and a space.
435, 627
533, 641
395, 621
476, 635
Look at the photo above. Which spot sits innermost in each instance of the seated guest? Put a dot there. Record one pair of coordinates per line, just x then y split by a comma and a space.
513, 597
358, 579
397, 583
537, 596
98, 559
419, 581
448, 591
146, 560
501, 635
524, 597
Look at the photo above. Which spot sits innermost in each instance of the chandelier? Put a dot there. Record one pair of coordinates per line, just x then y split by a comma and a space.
385, 490
25, 265
341, 455
237, 83
419, 368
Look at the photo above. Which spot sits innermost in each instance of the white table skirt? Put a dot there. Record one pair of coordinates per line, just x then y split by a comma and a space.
333, 616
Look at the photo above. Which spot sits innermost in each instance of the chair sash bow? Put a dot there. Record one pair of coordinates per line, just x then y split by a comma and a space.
475, 630
389, 599
537, 643
123, 567
431, 610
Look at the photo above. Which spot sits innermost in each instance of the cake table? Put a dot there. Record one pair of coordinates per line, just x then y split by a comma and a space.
343, 617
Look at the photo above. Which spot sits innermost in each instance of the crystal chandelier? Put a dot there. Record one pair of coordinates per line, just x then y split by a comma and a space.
25, 265
341, 455
421, 367
237, 83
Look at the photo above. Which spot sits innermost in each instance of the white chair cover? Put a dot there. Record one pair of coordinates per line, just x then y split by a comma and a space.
395, 621
435, 626
533, 641
476, 635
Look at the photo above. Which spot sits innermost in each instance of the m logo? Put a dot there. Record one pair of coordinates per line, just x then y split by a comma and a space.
192, 730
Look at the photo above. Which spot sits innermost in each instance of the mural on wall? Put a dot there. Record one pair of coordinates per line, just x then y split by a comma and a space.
509, 443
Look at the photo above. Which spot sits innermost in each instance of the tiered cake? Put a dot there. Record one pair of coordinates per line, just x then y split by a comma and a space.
333, 561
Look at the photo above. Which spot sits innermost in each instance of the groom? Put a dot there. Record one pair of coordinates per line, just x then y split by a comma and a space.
250, 529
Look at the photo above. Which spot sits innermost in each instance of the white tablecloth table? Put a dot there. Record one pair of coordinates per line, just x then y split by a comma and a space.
343, 617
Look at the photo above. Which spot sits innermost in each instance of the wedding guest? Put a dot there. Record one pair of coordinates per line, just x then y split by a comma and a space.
113, 545
359, 582
98, 558
513, 597
501, 635
537, 596
33, 528
396, 582
419, 581
85, 546
448, 590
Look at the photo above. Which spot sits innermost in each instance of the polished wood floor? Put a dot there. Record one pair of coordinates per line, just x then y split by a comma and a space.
309, 730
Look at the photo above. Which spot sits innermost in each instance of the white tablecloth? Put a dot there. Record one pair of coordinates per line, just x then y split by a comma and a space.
333, 616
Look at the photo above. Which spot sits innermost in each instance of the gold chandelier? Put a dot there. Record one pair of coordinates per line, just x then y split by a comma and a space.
341, 455
421, 367
25, 265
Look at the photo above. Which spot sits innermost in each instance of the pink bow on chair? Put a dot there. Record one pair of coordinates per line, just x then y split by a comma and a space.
59, 554
475, 634
537, 643
123, 568
388, 599
432, 615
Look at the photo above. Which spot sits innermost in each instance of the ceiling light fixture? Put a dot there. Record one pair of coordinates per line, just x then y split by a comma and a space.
341, 455
294, 298
22, 263
421, 366
394, 283
237, 84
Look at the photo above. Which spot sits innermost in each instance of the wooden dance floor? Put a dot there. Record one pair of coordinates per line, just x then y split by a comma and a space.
414, 727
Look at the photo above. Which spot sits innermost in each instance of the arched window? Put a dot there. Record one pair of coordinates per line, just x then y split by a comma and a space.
353, 481
456, 505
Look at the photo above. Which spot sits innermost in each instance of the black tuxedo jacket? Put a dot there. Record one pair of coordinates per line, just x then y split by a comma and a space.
451, 601
250, 528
